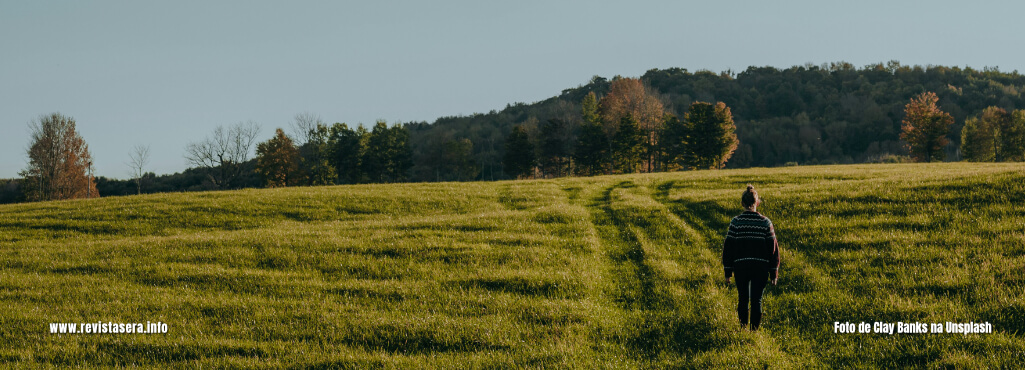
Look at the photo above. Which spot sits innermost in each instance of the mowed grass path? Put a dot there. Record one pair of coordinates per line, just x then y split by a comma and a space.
603, 272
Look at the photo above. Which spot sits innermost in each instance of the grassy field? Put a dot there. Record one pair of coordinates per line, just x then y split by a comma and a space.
603, 272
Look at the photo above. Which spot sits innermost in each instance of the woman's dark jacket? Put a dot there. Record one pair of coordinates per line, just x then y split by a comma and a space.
750, 244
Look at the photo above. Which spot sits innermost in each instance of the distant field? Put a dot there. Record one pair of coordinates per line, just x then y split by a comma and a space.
603, 272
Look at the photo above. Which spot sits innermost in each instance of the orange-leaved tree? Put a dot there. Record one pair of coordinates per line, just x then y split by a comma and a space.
60, 166
277, 161
630, 97
924, 128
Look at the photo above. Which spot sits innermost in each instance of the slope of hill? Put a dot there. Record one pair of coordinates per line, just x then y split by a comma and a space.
611, 271
833, 113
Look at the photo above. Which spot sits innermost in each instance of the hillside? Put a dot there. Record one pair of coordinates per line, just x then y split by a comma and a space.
828, 114
610, 271
832, 113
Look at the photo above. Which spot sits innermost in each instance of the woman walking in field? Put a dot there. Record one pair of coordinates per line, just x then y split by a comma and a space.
751, 254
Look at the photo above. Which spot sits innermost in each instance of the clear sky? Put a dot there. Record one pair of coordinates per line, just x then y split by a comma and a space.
166, 73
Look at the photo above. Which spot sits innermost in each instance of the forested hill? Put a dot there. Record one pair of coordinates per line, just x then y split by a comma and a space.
833, 113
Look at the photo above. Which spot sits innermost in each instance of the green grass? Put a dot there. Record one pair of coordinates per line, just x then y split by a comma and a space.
603, 272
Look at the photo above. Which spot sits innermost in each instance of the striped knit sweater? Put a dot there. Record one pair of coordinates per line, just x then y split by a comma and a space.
750, 243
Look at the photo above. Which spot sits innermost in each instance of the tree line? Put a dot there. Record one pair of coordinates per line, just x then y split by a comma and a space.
810, 114
627, 130
318, 154
336, 154
833, 113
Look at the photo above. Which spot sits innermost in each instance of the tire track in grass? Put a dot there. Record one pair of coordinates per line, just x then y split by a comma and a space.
627, 289
704, 313
658, 283
789, 312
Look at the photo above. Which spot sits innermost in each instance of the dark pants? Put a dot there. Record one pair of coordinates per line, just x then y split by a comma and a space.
750, 284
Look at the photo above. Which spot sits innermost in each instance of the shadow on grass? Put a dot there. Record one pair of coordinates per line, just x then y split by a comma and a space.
526, 287
361, 363
366, 293
1008, 319
640, 292
216, 282
115, 353
666, 326
437, 226
402, 339
673, 331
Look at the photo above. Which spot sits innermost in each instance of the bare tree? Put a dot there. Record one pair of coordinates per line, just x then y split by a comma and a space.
303, 126
138, 159
224, 153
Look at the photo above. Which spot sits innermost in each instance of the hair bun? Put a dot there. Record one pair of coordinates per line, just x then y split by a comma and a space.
750, 187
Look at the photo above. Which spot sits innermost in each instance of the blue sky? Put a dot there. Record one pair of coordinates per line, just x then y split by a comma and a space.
166, 73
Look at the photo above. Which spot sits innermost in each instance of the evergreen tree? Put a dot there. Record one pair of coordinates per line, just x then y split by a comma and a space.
673, 143
387, 156
346, 150
374, 158
316, 157
628, 145
592, 150
711, 137
400, 153
553, 148
589, 109
724, 136
519, 153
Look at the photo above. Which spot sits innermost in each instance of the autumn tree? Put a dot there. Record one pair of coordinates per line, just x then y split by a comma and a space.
277, 161
222, 155
519, 153
138, 158
60, 165
711, 135
629, 96
924, 128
